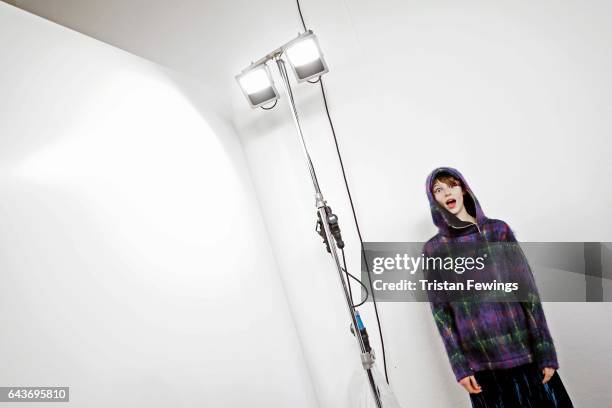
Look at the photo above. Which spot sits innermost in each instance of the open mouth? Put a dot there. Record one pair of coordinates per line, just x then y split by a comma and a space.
451, 203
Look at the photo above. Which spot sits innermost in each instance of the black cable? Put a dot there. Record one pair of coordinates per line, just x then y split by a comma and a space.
358, 281
301, 15
348, 190
271, 107
348, 281
364, 288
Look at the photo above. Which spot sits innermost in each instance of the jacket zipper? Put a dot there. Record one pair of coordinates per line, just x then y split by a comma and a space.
474, 223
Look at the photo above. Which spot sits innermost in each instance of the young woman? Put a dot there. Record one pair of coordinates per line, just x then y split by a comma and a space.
502, 353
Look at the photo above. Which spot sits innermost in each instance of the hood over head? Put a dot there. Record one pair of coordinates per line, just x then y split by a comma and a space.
447, 222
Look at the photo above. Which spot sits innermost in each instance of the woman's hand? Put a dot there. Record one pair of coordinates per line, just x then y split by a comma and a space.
470, 384
548, 373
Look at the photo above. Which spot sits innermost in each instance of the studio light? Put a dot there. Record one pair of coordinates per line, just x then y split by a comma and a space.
257, 85
306, 58
306, 61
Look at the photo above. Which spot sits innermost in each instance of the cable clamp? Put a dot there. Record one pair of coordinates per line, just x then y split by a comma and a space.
367, 360
319, 200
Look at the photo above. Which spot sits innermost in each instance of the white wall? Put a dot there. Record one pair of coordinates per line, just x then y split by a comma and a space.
136, 268
522, 79
514, 94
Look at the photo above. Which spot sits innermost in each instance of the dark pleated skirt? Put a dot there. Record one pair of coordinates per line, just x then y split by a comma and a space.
519, 387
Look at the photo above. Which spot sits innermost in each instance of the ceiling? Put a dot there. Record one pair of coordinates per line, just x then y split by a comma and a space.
211, 40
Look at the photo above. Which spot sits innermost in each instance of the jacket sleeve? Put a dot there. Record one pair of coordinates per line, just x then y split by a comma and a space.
445, 322
542, 342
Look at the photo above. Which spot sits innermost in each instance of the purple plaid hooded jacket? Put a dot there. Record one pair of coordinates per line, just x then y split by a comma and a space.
485, 335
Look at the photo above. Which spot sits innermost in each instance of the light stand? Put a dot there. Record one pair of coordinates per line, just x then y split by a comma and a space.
367, 355
306, 60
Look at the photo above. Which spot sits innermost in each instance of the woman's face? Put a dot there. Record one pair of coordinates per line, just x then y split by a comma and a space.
449, 197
